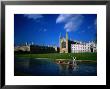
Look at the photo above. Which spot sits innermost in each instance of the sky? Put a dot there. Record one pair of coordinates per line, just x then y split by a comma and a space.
45, 29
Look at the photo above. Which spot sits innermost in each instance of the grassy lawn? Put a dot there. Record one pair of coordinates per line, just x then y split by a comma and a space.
79, 56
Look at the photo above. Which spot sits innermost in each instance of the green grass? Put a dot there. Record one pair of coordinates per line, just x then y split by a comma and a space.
79, 56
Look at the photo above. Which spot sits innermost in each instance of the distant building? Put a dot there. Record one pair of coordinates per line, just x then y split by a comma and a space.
27, 48
22, 48
65, 44
56, 48
68, 46
84, 47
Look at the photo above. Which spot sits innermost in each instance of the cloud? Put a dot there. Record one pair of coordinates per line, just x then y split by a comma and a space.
33, 16
71, 22
69, 26
63, 18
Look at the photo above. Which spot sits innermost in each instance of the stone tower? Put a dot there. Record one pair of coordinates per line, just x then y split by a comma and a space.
66, 42
63, 43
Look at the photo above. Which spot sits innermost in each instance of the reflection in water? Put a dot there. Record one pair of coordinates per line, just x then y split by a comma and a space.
63, 69
48, 67
67, 68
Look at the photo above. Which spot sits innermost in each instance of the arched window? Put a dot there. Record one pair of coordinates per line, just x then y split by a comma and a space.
63, 44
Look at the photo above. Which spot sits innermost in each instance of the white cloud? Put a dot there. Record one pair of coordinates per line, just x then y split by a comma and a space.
69, 26
33, 16
63, 18
71, 22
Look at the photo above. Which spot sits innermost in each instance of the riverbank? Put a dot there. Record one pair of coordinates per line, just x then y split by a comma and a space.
67, 56
70, 59
75, 60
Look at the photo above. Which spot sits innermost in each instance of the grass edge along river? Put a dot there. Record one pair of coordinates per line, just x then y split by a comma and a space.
65, 56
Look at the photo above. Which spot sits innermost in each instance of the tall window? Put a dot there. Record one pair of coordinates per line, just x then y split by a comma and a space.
63, 44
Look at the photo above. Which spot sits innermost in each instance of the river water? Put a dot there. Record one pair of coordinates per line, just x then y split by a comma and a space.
48, 67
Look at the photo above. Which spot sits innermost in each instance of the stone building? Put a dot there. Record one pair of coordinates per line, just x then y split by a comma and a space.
63, 44
84, 47
31, 48
68, 46
24, 48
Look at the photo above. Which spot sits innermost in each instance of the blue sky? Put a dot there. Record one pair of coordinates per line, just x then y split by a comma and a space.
45, 29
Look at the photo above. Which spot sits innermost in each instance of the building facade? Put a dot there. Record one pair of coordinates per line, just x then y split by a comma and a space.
24, 48
84, 47
35, 49
64, 44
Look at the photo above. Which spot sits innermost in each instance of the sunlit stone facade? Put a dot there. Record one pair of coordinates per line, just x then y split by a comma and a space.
84, 47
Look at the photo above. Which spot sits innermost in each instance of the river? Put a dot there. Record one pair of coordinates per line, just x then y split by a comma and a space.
48, 67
